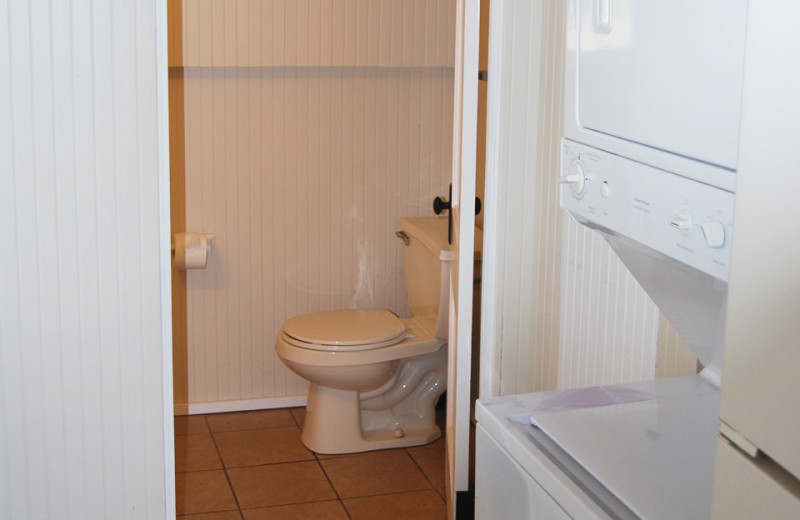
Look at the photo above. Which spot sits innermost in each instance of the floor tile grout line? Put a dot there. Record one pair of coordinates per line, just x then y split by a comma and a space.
188, 432
240, 429
321, 467
222, 467
391, 493
225, 469
336, 491
290, 504
296, 422
198, 471
424, 474
273, 506
315, 459
319, 461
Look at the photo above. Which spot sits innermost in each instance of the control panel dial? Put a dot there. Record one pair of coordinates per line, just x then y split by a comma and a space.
575, 177
686, 220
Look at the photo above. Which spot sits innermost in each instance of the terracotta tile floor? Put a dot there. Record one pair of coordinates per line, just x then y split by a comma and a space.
252, 466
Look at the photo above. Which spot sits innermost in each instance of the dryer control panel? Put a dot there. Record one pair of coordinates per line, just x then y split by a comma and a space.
679, 217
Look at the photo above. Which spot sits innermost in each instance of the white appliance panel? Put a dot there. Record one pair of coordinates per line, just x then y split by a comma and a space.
504, 489
663, 211
744, 488
665, 62
656, 457
504, 422
658, 82
673, 233
608, 452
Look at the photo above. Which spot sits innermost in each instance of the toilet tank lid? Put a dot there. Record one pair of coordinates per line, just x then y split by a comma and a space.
432, 232
346, 327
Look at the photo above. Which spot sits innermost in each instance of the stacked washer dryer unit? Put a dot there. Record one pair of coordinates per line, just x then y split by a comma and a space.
653, 92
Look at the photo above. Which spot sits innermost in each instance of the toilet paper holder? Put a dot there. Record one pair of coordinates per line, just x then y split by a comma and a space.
194, 260
212, 240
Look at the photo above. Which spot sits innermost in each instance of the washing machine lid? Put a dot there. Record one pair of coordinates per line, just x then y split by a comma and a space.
345, 329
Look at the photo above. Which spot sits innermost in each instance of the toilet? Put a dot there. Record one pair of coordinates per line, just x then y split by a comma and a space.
375, 377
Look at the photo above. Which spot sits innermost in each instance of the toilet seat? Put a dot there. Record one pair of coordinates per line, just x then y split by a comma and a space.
345, 330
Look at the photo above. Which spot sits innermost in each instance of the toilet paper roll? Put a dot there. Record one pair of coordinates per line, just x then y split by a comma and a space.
191, 250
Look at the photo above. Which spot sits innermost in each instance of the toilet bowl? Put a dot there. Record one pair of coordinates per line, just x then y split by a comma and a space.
372, 394
375, 377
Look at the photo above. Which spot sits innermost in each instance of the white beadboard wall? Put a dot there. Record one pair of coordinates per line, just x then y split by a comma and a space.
547, 221
521, 291
303, 170
318, 33
609, 326
675, 358
82, 433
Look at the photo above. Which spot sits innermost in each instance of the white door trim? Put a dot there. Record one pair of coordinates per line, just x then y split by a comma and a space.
491, 307
465, 127
165, 241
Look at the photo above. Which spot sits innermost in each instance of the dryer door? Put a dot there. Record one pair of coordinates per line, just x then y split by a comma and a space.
664, 74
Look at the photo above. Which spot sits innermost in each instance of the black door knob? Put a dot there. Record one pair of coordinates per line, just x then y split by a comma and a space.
439, 205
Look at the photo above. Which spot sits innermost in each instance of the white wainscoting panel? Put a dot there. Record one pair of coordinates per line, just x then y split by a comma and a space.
609, 326
82, 432
547, 221
675, 358
302, 173
522, 240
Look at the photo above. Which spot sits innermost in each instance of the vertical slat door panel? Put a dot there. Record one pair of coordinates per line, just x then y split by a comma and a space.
81, 305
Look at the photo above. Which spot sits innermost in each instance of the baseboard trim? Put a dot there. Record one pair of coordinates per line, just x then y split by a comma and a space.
240, 405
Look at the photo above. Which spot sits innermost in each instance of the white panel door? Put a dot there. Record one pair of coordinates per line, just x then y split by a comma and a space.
86, 426
465, 123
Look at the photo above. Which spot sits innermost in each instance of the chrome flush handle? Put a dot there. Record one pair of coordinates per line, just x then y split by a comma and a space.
402, 235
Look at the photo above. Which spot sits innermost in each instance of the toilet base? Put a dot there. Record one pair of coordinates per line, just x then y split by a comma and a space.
330, 406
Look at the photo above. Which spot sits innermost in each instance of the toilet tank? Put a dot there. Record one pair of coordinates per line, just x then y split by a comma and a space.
426, 263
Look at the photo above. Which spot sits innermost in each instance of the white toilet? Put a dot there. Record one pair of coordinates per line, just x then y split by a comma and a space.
375, 378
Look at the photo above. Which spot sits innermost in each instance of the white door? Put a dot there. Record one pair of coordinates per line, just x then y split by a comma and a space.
465, 121
85, 341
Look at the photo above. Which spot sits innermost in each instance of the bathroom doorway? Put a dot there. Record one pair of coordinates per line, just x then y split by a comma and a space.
300, 135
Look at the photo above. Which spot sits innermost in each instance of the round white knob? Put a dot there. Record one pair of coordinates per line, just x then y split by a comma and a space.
575, 177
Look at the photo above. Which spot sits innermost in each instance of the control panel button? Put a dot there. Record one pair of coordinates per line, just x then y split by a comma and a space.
682, 221
714, 233
688, 221
575, 177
